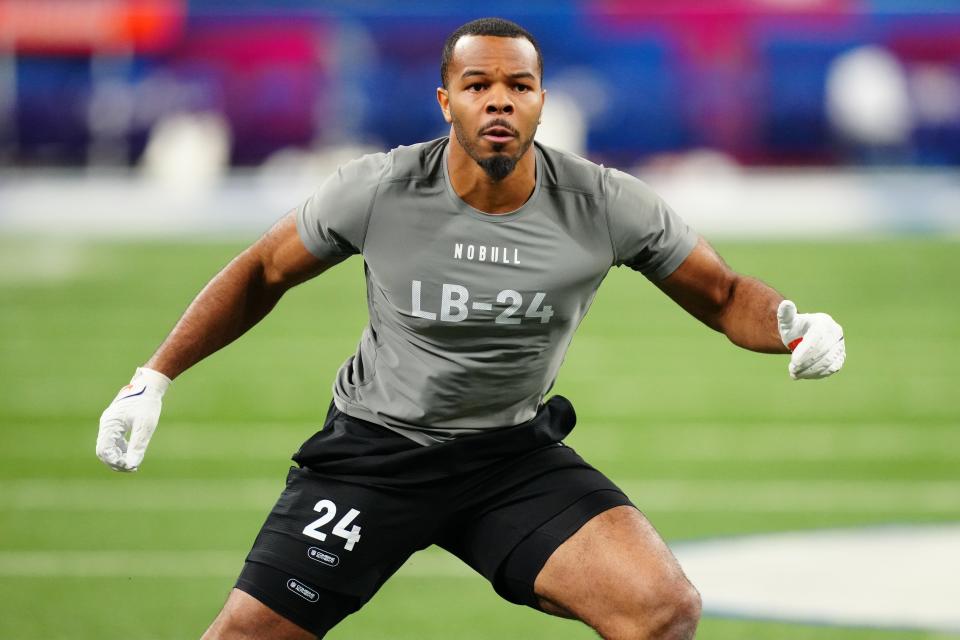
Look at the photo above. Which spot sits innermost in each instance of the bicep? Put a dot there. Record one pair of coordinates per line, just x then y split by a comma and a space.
284, 259
702, 284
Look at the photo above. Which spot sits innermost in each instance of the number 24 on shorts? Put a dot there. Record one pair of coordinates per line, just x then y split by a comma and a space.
328, 511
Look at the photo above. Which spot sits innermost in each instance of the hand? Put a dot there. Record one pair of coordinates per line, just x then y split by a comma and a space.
133, 414
815, 339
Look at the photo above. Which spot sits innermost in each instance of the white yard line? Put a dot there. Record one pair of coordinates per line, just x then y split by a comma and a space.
106, 564
791, 496
119, 492
47, 261
784, 441
681, 442
133, 493
178, 564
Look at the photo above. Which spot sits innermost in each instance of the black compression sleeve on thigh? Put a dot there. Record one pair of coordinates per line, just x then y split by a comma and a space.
319, 612
517, 574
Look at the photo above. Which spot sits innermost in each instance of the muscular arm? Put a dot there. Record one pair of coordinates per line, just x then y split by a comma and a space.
742, 308
238, 297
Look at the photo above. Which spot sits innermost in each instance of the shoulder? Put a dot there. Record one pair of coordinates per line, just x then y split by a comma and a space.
399, 164
568, 172
607, 191
412, 162
627, 190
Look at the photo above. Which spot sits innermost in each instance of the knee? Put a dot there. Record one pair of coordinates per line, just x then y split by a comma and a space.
681, 616
673, 614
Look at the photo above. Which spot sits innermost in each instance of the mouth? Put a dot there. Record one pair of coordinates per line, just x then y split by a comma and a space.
498, 134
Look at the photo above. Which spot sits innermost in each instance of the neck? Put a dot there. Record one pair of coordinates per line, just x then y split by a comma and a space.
477, 189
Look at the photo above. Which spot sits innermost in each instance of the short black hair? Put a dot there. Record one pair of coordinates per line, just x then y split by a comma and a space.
486, 27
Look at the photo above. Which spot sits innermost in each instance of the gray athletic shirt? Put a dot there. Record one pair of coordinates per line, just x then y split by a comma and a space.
471, 314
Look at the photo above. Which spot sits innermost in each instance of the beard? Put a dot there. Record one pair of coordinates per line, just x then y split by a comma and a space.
498, 166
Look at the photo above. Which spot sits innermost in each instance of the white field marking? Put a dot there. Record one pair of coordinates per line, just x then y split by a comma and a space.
807, 442
132, 492
689, 442
793, 496
46, 261
180, 564
121, 492
891, 576
274, 441
89, 564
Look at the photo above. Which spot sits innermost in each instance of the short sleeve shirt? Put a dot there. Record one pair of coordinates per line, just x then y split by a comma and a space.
471, 313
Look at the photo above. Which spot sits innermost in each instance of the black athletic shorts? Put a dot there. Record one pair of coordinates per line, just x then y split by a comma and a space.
365, 498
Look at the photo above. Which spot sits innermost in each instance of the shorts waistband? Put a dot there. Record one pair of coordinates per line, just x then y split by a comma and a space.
354, 448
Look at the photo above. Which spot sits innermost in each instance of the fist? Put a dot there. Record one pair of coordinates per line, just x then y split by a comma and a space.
814, 339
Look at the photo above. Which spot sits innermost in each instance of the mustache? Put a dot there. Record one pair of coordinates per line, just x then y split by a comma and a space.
499, 123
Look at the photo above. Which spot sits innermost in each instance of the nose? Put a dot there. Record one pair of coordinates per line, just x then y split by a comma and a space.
499, 102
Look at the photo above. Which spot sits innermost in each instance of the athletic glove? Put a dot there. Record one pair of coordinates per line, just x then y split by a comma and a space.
815, 340
127, 424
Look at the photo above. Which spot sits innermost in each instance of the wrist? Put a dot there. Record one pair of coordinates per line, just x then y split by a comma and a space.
152, 378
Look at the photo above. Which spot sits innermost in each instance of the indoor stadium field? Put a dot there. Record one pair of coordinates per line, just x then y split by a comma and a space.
709, 440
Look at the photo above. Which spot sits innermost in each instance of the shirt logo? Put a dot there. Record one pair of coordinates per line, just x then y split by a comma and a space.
483, 253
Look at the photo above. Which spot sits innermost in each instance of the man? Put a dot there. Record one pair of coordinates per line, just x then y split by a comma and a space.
483, 252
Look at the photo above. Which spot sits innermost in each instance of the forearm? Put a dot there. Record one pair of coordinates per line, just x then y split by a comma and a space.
751, 315
231, 303
748, 316
742, 308
236, 299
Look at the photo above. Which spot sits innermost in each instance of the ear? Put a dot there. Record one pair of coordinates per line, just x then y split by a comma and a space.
443, 97
543, 101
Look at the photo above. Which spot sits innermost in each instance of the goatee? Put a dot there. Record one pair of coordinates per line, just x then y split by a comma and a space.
498, 166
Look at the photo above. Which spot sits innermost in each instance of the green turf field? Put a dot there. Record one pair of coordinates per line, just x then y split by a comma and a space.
708, 439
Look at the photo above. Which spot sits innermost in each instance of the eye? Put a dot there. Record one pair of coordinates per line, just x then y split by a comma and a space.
522, 88
476, 86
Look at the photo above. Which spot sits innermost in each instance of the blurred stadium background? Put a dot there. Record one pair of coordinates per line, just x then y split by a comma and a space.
144, 142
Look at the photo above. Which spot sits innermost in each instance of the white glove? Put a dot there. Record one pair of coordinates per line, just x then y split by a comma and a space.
815, 339
134, 414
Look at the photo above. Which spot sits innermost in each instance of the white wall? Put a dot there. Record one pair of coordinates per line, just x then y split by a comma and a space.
754, 203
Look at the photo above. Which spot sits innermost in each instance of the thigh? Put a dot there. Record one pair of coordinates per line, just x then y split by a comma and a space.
327, 541
512, 516
615, 571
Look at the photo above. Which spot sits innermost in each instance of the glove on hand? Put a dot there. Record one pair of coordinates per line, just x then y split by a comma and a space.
815, 339
133, 414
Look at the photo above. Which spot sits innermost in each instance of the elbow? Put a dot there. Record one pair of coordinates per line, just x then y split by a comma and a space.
262, 273
723, 303
272, 279
260, 278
